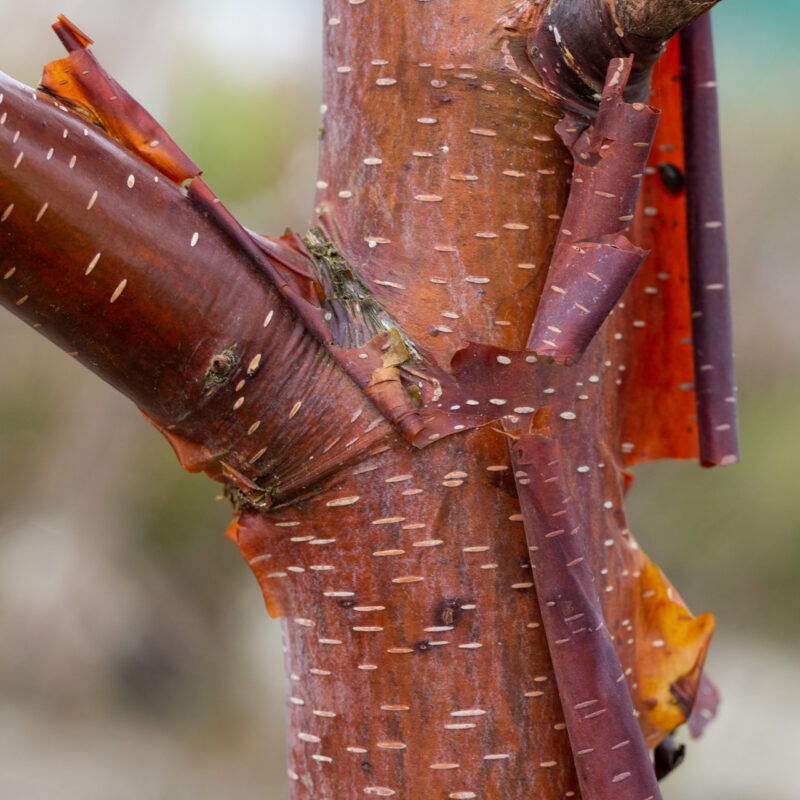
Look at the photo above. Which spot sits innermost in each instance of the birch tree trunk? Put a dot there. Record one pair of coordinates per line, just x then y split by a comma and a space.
428, 477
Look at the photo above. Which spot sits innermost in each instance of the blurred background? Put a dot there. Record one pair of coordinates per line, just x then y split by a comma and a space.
136, 658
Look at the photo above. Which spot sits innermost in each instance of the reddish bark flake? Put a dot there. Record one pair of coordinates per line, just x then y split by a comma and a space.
651, 325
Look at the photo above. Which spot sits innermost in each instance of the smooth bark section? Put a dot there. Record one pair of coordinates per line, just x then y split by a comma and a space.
416, 662
611, 757
712, 335
593, 261
659, 19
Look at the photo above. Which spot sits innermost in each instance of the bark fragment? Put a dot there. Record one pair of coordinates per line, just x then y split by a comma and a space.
651, 326
82, 83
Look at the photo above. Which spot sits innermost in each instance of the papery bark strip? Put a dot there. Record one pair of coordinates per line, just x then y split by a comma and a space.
611, 758
652, 321
715, 383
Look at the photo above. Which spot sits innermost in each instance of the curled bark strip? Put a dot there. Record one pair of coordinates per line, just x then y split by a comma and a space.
611, 757
715, 386
593, 261
79, 81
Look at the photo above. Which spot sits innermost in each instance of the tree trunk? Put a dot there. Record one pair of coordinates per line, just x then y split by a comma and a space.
426, 447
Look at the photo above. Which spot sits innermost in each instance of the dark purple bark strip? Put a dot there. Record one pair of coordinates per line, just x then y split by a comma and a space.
593, 261
715, 386
611, 757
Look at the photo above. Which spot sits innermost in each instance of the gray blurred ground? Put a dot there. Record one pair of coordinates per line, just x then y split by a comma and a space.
136, 658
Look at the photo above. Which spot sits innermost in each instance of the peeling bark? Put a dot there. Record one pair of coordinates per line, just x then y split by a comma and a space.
357, 391
611, 757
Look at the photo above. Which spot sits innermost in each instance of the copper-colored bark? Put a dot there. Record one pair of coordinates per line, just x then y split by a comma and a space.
80, 81
378, 498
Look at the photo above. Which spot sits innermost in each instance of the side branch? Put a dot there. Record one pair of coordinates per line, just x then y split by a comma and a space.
128, 273
659, 19
571, 42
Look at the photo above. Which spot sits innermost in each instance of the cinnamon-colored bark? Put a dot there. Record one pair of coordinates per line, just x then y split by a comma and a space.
368, 398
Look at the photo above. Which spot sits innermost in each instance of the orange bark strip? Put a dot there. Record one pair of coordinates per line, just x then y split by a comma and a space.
651, 325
